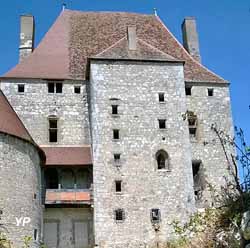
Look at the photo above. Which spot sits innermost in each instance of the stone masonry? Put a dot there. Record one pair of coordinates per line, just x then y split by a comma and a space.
144, 187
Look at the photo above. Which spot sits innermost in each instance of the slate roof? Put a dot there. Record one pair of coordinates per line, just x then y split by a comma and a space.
10, 122
76, 36
67, 155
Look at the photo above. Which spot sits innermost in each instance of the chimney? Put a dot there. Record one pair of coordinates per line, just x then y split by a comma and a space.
27, 28
132, 38
190, 37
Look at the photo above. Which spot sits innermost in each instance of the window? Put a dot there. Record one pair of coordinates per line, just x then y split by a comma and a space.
53, 130
114, 109
210, 92
20, 88
55, 87
161, 97
199, 179
116, 134
162, 123
162, 160
35, 235
192, 124
155, 215
117, 157
188, 90
119, 215
77, 89
118, 186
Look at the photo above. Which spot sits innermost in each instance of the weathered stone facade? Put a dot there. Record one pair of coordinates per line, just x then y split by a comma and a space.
20, 184
35, 105
123, 91
144, 187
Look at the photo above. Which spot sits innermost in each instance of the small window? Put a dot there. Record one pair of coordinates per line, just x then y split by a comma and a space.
161, 97
114, 109
192, 124
118, 186
51, 88
188, 90
210, 92
162, 124
119, 215
199, 180
117, 157
20, 88
55, 87
162, 160
77, 89
116, 134
53, 130
155, 215
35, 235
58, 87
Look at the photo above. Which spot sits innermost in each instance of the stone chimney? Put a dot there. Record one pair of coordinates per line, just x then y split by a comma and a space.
132, 38
27, 29
190, 37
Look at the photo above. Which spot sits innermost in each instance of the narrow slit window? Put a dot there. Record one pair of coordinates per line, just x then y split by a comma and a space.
155, 215
53, 130
77, 89
161, 97
116, 134
210, 92
118, 186
188, 90
114, 109
119, 215
162, 123
198, 177
20, 88
35, 235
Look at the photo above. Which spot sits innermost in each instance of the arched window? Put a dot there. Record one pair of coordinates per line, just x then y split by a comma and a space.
162, 160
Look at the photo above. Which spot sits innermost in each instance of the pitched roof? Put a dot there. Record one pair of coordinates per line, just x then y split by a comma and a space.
10, 122
76, 36
67, 155
144, 51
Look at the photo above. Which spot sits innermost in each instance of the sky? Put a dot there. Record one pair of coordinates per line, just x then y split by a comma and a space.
223, 26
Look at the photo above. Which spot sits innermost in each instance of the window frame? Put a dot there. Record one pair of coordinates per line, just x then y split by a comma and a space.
53, 87
158, 219
77, 87
210, 92
188, 90
162, 124
52, 129
166, 166
18, 88
119, 212
116, 134
161, 97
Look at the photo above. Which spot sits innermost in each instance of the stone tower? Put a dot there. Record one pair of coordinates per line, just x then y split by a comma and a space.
123, 113
20, 169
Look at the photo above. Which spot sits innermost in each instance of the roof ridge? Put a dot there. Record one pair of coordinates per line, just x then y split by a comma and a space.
158, 50
107, 12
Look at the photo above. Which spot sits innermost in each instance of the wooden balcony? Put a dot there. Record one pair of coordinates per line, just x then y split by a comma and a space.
68, 196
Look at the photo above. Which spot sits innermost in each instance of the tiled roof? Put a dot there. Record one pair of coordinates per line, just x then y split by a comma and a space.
10, 122
67, 155
144, 51
76, 36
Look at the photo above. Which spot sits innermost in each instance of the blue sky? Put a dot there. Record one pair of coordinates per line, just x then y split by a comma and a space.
223, 26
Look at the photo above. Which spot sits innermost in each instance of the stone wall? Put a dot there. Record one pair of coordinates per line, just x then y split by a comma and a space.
35, 105
135, 87
67, 227
207, 147
20, 184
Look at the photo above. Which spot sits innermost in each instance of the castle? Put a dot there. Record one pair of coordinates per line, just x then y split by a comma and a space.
105, 132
